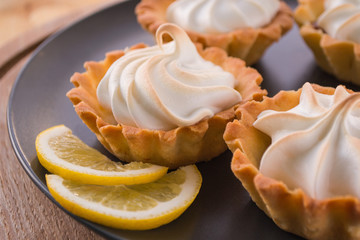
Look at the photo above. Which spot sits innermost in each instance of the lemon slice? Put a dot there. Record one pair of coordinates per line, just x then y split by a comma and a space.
134, 207
64, 154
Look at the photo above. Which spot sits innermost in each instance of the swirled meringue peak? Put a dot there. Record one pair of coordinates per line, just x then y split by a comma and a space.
166, 86
315, 145
341, 19
334, 3
220, 16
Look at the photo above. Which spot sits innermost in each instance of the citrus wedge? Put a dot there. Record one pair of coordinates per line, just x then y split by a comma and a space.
134, 207
64, 154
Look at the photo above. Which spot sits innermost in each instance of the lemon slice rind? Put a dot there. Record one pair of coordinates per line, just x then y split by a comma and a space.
67, 170
162, 213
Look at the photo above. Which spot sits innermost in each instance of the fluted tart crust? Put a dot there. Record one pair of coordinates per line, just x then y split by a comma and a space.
291, 209
337, 57
177, 147
249, 44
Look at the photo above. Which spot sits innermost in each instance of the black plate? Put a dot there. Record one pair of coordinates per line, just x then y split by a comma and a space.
223, 209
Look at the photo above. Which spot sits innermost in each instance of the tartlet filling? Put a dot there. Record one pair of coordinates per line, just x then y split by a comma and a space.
219, 16
166, 86
315, 145
341, 19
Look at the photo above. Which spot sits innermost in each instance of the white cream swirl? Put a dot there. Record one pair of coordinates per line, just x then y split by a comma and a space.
315, 145
220, 16
341, 19
334, 3
166, 86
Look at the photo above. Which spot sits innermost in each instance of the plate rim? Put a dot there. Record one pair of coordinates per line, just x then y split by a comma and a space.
12, 133
14, 139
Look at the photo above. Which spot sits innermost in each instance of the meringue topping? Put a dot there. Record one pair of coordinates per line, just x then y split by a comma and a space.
315, 145
166, 86
333, 3
341, 19
220, 16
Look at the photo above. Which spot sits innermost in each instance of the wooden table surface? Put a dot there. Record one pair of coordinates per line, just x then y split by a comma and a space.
25, 212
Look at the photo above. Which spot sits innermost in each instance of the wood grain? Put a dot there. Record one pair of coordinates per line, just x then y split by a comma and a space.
19, 16
25, 212
25, 24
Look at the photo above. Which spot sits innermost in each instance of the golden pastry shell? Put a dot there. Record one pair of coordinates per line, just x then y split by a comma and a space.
180, 146
337, 57
291, 209
249, 44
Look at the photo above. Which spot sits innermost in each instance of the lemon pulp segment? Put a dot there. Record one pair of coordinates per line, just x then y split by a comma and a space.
137, 207
62, 153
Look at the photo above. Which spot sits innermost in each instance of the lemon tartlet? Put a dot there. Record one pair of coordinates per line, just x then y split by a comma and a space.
244, 29
330, 29
297, 155
120, 101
